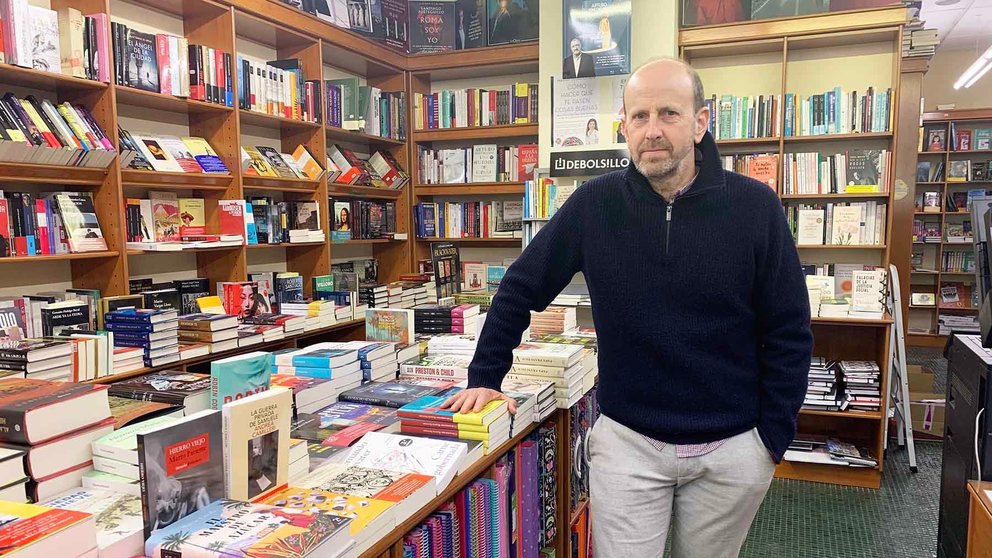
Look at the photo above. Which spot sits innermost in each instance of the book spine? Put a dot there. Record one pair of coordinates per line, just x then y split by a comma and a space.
14, 428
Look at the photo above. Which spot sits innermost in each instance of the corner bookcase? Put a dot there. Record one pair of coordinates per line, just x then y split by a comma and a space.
805, 56
931, 273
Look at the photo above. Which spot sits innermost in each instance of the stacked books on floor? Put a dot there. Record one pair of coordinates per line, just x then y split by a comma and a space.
52, 424
862, 384
828, 451
822, 393
218, 332
154, 331
491, 425
554, 319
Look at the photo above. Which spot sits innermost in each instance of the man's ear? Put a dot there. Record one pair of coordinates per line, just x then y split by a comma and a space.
623, 123
702, 122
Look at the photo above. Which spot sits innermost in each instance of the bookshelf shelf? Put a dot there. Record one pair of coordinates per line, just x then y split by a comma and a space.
748, 141
159, 101
61, 257
969, 273
864, 477
28, 77
476, 188
476, 133
933, 152
865, 196
886, 321
341, 134
926, 272
279, 184
919, 307
839, 137
283, 245
957, 310
493, 241
367, 241
53, 174
175, 180
869, 415
521, 58
930, 183
133, 252
841, 247
273, 121
973, 151
350, 191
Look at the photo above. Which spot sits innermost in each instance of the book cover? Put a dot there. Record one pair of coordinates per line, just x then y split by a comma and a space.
433, 26
438, 458
864, 167
180, 153
342, 222
958, 171
189, 291
45, 49
181, 466
348, 422
159, 158
170, 386
258, 165
310, 167
395, 23
233, 528
983, 139
765, 169
26, 524
512, 21
364, 512
438, 366
82, 228
256, 438
165, 214
446, 262
142, 61
388, 324
494, 275
387, 394
245, 299
191, 217
126, 410
70, 21
547, 354
28, 408
276, 161
65, 318
117, 516
238, 377
205, 155
846, 225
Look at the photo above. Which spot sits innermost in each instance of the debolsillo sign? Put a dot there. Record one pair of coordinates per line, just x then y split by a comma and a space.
588, 163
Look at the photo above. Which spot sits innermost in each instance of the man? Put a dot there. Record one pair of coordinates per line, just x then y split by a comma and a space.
702, 318
579, 64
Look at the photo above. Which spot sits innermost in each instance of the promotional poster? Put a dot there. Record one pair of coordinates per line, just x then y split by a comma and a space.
596, 38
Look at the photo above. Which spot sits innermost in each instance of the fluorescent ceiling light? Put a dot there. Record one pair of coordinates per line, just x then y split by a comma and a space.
977, 69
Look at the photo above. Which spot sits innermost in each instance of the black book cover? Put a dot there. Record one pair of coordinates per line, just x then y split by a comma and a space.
472, 25
396, 25
512, 22
387, 394
432, 26
162, 299
63, 320
289, 289
142, 63
138, 286
189, 291
87, 48
94, 57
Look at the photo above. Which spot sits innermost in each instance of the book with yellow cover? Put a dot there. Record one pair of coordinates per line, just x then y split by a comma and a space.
257, 164
256, 442
42, 531
191, 217
306, 162
205, 155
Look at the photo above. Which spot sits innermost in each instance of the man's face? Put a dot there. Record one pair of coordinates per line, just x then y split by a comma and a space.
659, 122
576, 47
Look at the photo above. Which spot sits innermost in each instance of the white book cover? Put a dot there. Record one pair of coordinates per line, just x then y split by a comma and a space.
256, 443
846, 229
868, 291
823, 284
440, 459
810, 226
156, 154
122, 444
547, 354
484, 163
45, 53
118, 519
454, 161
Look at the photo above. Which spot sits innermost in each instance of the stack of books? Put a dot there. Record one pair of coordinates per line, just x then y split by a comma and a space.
318, 313
188, 390
378, 360
53, 424
219, 332
423, 416
834, 308
343, 423
34, 530
542, 392
570, 337
388, 394
299, 460
13, 476
570, 367
862, 384
291, 325
117, 452
120, 529
155, 331
128, 359
309, 394
554, 319
341, 366
437, 366
252, 334
452, 344
36, 358
828, 451
822, 390
441, 459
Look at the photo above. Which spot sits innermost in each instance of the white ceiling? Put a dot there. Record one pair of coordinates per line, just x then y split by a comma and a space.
966, 24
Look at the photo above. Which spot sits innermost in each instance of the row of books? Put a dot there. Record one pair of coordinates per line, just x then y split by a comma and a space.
965, 139
58, 223
166, 153
966, 170
544, 197
380, 170
821, 450
362, 219
848, 385
838, 224
38, 131
397, 295
759, 166
948, 324
479, 163
855, 171
278, 88
267, 161
743, 117
366, 108
461, 108
961, 261
163, 63
930, 232
485, 276
858, 293
838, 112
63, 41
496, 219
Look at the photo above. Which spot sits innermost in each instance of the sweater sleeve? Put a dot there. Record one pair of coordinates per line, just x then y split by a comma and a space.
785, 341
540, 273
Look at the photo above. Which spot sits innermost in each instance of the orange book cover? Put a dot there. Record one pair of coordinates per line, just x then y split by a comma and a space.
26, 524
765, 169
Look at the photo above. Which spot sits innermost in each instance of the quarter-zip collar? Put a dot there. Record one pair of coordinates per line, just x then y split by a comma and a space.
709, 174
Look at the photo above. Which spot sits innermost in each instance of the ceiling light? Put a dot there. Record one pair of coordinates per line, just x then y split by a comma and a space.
977, 69
946, 2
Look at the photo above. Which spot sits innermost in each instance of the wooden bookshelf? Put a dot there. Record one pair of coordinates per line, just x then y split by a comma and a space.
806, 56
60, 257
160, 101
132, 178
470, 189
473, 133
928, 317
77, 177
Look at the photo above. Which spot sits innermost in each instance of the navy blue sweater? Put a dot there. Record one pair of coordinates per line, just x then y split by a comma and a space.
700, 306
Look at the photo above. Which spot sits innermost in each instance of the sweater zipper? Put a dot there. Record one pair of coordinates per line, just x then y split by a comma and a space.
668, 225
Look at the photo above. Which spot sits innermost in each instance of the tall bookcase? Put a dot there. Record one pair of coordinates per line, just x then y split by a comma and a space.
930, 273
805, 56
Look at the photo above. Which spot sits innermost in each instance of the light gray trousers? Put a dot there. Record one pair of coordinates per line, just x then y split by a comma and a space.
640, 493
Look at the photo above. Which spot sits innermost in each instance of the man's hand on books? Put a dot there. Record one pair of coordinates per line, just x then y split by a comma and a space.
474, 399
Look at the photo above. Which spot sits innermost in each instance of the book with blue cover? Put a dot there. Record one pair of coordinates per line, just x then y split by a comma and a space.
140, 316
235, 528
387, 394
324, 358
237, 377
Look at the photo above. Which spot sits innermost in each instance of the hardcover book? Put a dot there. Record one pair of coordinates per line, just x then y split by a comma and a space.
171, 387
189, 291
238, 377
165, 214
191, 217
118, 518
181, 467
256, 437
142, 61
229, 528
34, 411
65, 318
387, 394
26, 525
438, 458
387, 324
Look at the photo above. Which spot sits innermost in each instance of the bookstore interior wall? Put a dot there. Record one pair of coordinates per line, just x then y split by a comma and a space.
945, 68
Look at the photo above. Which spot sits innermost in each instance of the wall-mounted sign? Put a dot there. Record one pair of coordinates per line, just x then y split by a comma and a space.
588, 163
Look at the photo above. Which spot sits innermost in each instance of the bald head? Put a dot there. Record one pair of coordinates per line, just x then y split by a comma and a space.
671, 70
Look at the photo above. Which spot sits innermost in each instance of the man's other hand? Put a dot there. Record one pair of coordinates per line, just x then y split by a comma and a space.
474, 399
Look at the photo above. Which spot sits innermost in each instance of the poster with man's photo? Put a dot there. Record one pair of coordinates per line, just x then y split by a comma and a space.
596, 38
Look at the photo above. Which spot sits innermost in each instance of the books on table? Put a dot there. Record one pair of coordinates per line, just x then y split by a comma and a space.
438, 458
118, 519
256, 439
42, 531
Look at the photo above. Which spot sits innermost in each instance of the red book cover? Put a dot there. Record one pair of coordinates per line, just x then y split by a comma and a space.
351, 434
428, 431
526, 161
164, 64
232, 217
44, 245
6, 246
27, 524
219, 75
